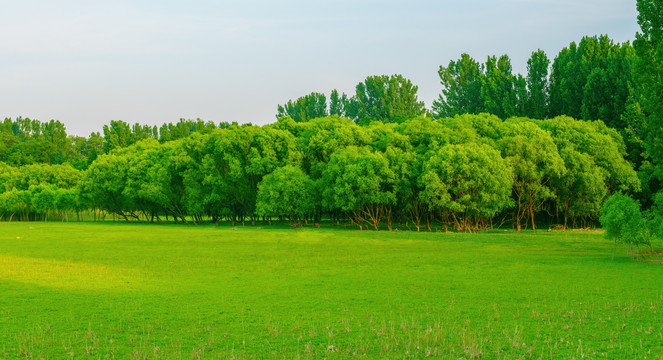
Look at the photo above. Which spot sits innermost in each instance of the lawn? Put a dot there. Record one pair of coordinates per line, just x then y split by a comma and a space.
111, 290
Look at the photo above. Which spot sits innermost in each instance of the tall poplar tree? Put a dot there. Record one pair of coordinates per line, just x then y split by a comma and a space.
461, 88
649, 74
537, 85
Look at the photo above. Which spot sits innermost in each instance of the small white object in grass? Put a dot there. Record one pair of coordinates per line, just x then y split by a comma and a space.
18, 237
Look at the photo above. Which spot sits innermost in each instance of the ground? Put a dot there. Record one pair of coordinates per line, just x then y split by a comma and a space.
100, 290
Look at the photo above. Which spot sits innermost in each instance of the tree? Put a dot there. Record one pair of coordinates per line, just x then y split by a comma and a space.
470, 181
622, 221
14, 201
153, 183
591, 80
537, 85
337, 103
607, 88
305, 108
42, 198
360, 182
320, 138
499, 88
384, 98
461, 88
594, 156
65, 201
288, 192
534, 158
405, 164
581, 190
649, 75
102, 186
7, 176
183, 128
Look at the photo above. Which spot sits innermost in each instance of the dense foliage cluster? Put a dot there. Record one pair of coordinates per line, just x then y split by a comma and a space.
462, 173
24, 141
379, 157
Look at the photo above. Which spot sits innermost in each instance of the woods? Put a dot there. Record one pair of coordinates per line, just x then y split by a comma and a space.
465, 173
547, 147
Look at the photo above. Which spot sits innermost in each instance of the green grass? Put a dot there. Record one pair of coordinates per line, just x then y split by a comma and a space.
91, 290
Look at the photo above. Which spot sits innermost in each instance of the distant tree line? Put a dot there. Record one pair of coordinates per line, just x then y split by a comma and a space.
379, 157
623, 217
24, 141
469, 172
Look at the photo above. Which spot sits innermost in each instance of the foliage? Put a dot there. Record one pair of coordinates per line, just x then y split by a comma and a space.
469, 181
287, 191
305, 108
648, 74
536, 163
455, 172
591, 80
461, 88
499, 88
384, 98
359, 181
537, 84
624, 222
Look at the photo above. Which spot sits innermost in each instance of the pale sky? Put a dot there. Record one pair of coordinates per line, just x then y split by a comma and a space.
88, 62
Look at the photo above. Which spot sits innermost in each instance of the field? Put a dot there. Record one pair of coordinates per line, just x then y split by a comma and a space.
93, 290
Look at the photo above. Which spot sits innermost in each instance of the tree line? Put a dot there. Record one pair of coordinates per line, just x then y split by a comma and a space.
415, 165
468, 173
623, 217
25, 141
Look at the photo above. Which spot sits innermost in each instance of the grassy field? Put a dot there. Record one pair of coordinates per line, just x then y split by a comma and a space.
121, 291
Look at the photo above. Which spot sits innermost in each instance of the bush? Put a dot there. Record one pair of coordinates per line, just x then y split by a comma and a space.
624, 222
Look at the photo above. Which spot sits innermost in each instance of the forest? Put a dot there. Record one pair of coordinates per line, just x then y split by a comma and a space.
542, 149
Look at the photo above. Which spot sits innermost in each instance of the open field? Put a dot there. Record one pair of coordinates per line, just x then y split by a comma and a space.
91, 290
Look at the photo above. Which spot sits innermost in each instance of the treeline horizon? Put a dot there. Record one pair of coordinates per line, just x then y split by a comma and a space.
574, 84
546, 147
463, 173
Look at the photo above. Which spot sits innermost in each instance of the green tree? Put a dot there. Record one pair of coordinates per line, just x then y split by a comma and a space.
288, 192
183, 128
14, 201
305, 108
102, 186
42, 198
537, 85
623, 221
499, 88
471, 182
384, 98
337, 103
359, 182
116, 135
649, 75
461, 88
153, 183
607, 88
594, 156
534, 158
591, 80
65, 201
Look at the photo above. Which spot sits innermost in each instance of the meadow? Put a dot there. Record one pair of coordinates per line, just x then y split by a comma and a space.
111, 290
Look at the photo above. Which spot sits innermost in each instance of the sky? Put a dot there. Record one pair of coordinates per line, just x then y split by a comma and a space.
153, 62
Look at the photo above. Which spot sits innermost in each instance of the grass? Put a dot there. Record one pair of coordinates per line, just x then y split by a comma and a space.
92, 290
